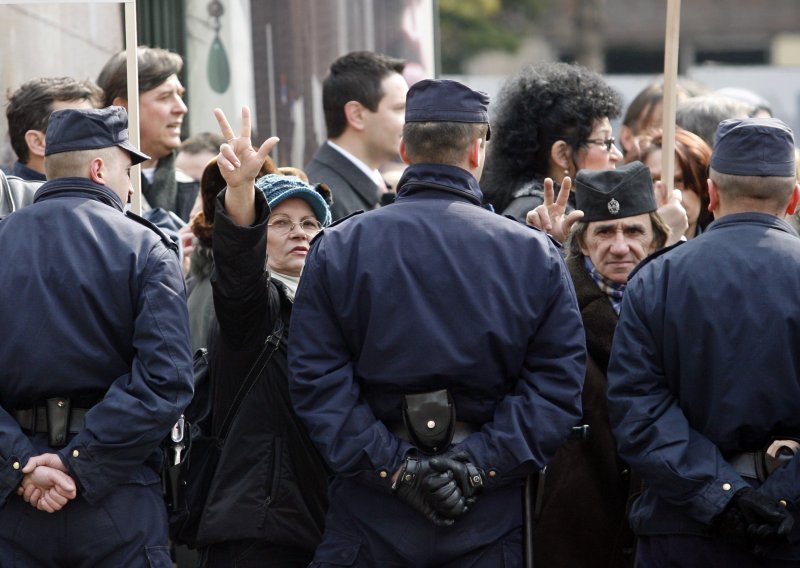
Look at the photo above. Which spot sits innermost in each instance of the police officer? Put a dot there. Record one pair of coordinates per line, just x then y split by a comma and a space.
704, 377
438, 356
96, 366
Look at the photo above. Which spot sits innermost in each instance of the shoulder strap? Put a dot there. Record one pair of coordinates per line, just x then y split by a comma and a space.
153, 227
267, 351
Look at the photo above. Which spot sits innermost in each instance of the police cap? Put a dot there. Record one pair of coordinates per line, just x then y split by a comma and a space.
754, 147
72, 130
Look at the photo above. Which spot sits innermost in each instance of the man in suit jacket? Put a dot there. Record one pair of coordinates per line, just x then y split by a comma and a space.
364, 98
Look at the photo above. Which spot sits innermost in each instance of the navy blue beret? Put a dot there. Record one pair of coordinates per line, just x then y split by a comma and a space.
445, 101
72, 130
754, 147
613, 194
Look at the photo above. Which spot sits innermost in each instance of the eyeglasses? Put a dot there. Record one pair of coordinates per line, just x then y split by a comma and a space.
607, 142
284, 226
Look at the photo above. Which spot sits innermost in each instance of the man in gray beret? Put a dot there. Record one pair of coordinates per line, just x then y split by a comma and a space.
704, 377
582, 520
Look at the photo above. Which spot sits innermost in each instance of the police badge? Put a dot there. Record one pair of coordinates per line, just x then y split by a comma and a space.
613, 206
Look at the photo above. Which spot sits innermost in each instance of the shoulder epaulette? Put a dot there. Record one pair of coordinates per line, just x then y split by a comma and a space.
553, 240
652, 256
155, 228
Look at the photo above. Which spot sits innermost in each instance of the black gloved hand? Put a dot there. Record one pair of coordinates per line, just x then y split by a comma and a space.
752, 519
467, 475
436, 495
764, 516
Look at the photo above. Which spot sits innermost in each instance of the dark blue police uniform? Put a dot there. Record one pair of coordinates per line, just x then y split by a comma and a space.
428, 293
93, 303
705, 368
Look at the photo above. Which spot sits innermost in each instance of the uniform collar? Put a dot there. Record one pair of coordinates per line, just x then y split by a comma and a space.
753, 218
78, 187
450, 179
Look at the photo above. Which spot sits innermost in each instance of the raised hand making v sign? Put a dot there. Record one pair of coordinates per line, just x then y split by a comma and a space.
239, 163
551, 216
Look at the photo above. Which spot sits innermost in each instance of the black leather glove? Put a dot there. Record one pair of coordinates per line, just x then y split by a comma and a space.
436, 495
467, 475
753, 519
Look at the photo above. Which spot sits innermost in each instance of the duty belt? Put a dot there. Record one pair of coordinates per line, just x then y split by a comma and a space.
760, 465
57, 419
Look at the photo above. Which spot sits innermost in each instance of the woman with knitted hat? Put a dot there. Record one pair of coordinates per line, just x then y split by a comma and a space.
267, 502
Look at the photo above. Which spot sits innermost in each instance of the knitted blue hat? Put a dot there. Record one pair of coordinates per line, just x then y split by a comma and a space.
278, 188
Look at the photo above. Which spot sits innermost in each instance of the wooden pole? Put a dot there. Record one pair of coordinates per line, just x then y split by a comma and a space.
670, 97
131, 46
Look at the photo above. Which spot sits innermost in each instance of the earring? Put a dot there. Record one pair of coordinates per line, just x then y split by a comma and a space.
566, 172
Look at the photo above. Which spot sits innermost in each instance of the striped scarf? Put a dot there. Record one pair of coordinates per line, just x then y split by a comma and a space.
611, 289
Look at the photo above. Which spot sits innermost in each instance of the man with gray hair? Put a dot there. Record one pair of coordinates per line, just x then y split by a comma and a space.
161, 113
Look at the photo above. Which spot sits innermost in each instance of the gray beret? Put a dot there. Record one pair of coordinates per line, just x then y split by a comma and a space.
613, 194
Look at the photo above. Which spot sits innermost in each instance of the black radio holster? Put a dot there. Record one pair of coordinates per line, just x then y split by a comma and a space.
430, 418
58, 415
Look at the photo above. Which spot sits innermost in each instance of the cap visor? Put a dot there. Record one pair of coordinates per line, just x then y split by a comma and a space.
137, 157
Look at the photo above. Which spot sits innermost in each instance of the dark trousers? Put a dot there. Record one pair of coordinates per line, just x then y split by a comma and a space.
253, 554
367, 527
126, 528
688, 551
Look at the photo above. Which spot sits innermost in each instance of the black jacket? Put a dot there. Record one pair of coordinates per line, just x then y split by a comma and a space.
104, 319
271, 484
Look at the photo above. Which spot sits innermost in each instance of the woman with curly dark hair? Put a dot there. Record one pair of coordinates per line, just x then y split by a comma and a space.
550, 120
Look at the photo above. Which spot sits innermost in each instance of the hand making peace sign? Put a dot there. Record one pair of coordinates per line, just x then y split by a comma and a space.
239, 164
550, 216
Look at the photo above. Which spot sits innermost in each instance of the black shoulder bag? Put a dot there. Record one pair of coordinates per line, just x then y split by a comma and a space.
193, 451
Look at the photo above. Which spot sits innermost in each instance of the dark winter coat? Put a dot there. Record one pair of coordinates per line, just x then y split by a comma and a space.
705, 368
416, 296
94, 309
271, 483
583, 517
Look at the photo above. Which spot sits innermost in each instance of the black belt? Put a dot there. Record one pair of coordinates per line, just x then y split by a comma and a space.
461, 431
34, 420
749, 464
759, 465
